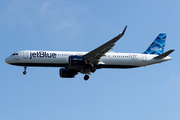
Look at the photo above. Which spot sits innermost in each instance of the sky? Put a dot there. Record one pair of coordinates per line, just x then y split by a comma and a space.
145, 93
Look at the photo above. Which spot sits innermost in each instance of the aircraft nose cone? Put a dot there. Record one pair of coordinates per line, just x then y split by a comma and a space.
7, 60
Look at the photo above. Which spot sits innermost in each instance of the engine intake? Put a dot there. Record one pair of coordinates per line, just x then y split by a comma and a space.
76, 60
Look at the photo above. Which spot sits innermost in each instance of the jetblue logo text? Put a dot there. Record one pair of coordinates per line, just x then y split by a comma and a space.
42, 55
156, 48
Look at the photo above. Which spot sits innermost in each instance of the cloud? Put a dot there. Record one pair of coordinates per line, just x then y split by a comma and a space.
175, 79
51, 15
174, 83
62, 15
17, 13
65, 25
44, 7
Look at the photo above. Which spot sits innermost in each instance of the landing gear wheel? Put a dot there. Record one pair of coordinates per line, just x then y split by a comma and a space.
86, 77
24, 72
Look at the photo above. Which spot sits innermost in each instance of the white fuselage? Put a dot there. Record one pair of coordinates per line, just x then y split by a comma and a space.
87, 62
60, 59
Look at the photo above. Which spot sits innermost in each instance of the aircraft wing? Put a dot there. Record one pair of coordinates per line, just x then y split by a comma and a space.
94, 56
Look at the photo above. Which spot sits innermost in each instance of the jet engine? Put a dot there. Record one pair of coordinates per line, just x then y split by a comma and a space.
67, 73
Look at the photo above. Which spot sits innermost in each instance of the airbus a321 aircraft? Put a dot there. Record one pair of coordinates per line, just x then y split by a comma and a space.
88, 62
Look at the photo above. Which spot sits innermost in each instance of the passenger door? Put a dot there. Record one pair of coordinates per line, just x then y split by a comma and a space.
25, 54
144, 59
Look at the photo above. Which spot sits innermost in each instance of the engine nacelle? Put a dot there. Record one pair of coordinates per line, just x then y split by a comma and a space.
67, 73
76, 60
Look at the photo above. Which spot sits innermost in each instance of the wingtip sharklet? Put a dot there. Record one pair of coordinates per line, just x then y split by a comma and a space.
124, 30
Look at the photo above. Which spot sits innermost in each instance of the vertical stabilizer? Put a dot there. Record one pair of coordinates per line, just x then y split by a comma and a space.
157, 47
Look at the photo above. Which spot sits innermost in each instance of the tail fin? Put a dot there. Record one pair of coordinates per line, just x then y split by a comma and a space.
157, 47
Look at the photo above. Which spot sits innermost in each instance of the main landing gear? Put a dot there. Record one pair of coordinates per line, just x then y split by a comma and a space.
88, 71
24, 72
86, 77
93, 69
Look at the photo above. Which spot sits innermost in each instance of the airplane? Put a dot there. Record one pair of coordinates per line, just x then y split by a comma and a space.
88, 62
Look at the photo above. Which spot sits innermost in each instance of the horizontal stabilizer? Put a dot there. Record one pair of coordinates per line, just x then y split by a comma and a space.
164, 54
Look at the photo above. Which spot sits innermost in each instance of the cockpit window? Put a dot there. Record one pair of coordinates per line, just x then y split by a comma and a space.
14, 54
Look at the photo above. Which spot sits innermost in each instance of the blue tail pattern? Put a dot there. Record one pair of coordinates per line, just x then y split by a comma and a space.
157, 47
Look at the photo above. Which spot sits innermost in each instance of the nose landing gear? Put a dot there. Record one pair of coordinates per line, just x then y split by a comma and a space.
24, 72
